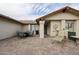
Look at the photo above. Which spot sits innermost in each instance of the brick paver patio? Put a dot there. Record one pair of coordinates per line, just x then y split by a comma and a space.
37, 46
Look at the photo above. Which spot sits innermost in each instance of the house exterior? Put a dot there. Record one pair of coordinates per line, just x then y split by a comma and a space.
9, 26
54, 24
59, 22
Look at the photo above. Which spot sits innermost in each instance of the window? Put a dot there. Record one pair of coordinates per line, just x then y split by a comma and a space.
70, 26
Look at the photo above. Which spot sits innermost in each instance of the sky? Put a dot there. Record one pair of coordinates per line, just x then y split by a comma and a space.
31, 11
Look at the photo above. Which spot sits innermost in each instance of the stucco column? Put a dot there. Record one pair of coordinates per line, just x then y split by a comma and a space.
51, 28
41, 29
29, 27
77, 28
34, 29
62, 28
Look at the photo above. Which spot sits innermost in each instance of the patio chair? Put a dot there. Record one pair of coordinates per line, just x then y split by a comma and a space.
20, 34
70, 34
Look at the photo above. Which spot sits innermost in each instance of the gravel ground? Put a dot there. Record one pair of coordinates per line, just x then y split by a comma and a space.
37, 46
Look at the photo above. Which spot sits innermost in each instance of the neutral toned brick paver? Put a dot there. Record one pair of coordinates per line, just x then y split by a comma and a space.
37, 46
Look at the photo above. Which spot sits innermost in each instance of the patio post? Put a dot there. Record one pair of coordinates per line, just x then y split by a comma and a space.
41, 29
51, 28
63, 27
29, 27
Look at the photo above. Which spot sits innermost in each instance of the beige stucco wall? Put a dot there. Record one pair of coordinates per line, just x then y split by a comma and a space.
62, 16
25, 27
77, 28
8, 28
